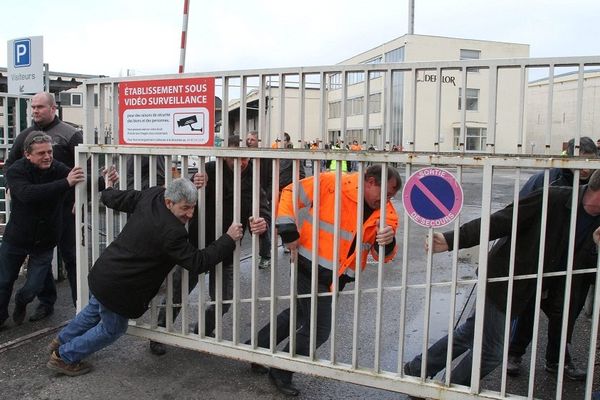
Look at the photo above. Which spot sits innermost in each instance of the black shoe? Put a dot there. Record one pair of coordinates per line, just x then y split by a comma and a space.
286, 388
157, 348
513, 366
41, 312
408, 370
258, 368
19, 313
571, 371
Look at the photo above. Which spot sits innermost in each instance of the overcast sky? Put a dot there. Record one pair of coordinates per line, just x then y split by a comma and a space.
110, 36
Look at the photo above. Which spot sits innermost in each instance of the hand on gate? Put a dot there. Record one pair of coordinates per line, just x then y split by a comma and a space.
385, 236
200, 179
439, 243
235, 231
75, 176
111, 176
258, 226
292, 246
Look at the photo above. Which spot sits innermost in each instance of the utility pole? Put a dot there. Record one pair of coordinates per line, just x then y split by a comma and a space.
186, 5
411, 17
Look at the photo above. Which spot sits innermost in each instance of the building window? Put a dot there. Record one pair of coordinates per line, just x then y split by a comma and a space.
335, 109
470, 55
355, 77
475, 141
71, 99
472, 99
396, 55
354, 106
374, 138
375, 103
373, 61
76, 99
335, 81
65, 99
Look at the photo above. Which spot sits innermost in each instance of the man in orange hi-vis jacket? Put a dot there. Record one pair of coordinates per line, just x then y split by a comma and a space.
295, 230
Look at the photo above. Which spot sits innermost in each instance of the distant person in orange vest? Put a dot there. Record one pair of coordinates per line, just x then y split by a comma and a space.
354, 147
296, 233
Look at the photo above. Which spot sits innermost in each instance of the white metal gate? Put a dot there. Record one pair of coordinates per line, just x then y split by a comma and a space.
378, 324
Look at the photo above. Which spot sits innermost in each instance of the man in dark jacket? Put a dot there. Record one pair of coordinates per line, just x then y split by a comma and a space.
553, 296
129, 273
266, 184
526, 262
64, 139
38, 185
257, 225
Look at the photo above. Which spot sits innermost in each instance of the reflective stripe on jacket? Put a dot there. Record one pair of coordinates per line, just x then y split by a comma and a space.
303, 221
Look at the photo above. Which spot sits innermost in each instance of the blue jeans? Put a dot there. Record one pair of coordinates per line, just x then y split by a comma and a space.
92, 329
11, 259
491, 353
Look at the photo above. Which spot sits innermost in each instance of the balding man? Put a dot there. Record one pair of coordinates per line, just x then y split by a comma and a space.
64, 139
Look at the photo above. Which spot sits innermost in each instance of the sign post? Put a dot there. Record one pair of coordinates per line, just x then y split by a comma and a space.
432, 197
25, 65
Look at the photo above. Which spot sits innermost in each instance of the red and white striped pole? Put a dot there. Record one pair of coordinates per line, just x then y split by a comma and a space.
186, 5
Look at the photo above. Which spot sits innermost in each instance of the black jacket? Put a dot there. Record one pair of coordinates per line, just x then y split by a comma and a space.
528, 243
129, 273
37, 203
226, 207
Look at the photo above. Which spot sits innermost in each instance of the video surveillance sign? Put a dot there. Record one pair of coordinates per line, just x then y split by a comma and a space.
25, 65
167, 112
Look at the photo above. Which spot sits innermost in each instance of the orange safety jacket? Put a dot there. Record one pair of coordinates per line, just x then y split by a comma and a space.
287, 220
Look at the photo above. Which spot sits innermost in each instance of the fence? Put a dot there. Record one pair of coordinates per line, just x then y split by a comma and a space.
381, 321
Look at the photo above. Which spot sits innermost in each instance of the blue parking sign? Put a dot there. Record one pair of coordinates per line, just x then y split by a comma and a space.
22, 53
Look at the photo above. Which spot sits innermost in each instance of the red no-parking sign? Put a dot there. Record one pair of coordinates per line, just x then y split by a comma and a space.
432, 197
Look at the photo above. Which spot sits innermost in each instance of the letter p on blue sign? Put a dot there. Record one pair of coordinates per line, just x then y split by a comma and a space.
22, 53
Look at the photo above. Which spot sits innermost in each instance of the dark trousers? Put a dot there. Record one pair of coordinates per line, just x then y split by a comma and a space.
552, 306
66, 252
11, 259
264, 244
323, 328
210, 312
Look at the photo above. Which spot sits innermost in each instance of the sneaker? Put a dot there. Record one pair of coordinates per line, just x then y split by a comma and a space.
513, 366
57, 364
54, 345
157, 348
264, 263
572, 372
19, 313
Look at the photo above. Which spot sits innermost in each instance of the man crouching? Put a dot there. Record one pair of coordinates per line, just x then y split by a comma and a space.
129, 273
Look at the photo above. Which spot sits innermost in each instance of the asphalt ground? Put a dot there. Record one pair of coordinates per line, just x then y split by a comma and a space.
127, 370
